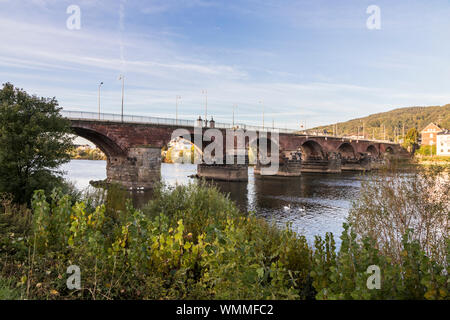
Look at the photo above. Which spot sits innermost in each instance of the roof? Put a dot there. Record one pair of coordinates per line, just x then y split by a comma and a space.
444, 132
430, 126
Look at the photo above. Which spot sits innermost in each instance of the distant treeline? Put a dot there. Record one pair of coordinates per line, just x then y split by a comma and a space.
87, 153
393, 121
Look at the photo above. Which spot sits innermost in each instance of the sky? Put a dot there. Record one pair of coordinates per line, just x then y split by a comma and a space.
298, 61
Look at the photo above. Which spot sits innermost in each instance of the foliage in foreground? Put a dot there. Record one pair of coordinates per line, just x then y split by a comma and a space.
214, 252
192, 243
33, 143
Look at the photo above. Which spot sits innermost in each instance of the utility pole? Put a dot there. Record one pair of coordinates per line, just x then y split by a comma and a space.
176, 108
122, 77
99, 99
364, 130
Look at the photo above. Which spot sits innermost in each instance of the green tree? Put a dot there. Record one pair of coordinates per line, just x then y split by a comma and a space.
33, 143
411, 139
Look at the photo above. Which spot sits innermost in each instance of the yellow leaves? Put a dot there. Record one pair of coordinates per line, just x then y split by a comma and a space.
70, 241
53, 292
22, 281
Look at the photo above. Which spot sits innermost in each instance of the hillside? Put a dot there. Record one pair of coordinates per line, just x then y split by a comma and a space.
417, 117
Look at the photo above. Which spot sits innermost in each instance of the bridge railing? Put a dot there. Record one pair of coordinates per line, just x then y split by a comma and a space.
94, 116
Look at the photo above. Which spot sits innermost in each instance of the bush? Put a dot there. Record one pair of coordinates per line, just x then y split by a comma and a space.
426, 150
400, 224
190, 242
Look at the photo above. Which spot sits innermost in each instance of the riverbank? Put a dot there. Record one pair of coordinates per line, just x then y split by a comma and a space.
192, 242
432, 160
87, 153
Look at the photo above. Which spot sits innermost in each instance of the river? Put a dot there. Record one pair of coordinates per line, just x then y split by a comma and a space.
313, 203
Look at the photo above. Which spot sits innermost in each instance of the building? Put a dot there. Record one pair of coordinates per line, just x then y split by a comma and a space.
429, 134
443, 143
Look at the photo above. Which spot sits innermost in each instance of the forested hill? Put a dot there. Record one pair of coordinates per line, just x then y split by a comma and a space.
417, 117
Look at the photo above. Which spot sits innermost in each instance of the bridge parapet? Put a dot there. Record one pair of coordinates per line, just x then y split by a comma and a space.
133, 148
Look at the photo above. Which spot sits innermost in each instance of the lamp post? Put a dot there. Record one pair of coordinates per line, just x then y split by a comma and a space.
99, 99
122, 77
234, 106
176, 111
205, 92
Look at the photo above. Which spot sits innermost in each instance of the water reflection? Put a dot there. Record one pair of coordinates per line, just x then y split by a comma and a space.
313, 203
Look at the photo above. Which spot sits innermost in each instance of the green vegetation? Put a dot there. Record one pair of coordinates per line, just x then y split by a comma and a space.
426, 150
412, 117
33, 143
84, 153
191, 242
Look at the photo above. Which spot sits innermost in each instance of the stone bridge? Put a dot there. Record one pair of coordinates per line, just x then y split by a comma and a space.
133, 145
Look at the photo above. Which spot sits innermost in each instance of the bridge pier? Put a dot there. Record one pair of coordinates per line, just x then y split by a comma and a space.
289, 165
331, 164
236, 171
362, 164
139, 169
223, 172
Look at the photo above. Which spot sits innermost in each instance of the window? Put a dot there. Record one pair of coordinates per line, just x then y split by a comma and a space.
431, 135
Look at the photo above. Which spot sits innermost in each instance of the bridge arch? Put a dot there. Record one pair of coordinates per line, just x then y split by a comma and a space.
372, 151
181, 150
347, 151
311, 150
389, 150
106, 145
254, 150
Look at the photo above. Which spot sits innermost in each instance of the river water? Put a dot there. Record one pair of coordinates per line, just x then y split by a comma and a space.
313, 203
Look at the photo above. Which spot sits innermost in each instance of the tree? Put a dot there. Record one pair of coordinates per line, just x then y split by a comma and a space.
33, 143
411, 139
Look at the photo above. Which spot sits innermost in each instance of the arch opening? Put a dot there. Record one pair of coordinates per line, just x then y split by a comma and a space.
372, 151
311, 150
261, 149
181, 150
389, 150
347, 151
105, 144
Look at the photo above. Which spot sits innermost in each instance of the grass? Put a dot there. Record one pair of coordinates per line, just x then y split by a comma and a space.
7, 290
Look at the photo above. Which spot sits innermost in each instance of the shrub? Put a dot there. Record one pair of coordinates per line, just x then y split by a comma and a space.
190, 242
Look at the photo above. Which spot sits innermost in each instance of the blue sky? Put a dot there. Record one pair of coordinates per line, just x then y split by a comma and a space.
313, 61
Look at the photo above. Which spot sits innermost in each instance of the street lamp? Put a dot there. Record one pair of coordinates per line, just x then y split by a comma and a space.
176, 110
122, 77
99, 99
234, 106
205, 92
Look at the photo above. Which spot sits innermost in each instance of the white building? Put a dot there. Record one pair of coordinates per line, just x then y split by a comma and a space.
443, 143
